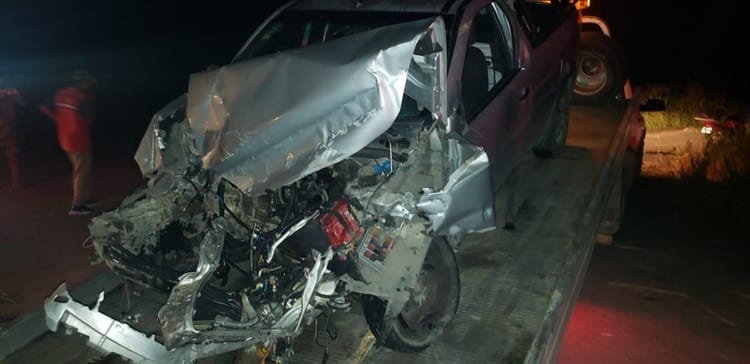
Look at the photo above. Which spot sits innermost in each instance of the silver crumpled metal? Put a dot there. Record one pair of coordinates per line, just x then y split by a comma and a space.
148, 155
269, 121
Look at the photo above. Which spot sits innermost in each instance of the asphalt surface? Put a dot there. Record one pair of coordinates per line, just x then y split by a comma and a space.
675, 286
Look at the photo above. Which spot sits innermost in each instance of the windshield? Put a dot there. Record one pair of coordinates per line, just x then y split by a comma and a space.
294, 29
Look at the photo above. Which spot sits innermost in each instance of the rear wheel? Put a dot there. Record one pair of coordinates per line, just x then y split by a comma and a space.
558, 131
601, 71
432, 304
614, 216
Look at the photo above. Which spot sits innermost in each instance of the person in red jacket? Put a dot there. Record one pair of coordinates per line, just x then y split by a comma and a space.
73, 113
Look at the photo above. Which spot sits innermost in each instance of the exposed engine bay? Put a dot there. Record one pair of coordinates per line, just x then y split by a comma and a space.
268, 257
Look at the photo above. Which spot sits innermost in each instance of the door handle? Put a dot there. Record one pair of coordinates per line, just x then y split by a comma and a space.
524, 94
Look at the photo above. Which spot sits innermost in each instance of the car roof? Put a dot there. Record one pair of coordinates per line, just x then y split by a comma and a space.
406, 6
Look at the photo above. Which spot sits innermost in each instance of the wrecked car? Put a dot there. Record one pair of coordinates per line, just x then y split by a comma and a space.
347, 149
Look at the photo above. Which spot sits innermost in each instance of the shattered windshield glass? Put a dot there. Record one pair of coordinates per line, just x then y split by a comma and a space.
295, 29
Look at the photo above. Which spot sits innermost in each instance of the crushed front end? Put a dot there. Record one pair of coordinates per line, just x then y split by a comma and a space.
257, 219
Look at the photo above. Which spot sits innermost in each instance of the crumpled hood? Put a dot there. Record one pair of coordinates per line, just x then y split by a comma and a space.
267, 122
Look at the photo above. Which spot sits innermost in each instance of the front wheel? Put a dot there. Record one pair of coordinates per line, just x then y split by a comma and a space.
432, 304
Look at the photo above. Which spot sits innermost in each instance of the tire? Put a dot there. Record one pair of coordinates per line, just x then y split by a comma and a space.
631, 170
420, 324
601, 72
558, 132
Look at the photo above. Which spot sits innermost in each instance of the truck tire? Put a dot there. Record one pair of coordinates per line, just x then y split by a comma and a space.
422, 320
601, 71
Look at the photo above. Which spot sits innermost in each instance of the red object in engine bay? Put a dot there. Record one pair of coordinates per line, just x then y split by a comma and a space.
340, 223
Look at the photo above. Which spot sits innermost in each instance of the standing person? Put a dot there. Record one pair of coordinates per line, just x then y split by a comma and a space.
73, 113
10, 134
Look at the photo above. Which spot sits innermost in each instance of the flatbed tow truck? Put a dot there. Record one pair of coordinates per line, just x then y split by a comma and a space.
519, 287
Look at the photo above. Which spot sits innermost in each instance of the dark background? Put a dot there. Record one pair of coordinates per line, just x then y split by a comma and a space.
683, 40
142, 52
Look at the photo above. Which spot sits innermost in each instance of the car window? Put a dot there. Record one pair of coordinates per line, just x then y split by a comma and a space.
541, 17
489, 59
296, 29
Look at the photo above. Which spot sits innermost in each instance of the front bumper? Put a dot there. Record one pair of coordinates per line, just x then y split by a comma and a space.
108, 335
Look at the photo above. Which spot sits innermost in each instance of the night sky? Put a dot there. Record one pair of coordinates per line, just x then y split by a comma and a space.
704, 41
123, 43
142, 52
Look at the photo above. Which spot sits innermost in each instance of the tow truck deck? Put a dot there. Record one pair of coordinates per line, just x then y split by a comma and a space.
518, 287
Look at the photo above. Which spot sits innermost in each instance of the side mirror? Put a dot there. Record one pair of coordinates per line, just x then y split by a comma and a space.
653, 105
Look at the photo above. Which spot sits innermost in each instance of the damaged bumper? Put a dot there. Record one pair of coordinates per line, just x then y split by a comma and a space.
108, 335
465, 204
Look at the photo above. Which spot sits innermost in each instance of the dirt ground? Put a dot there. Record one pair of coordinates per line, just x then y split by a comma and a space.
673, 288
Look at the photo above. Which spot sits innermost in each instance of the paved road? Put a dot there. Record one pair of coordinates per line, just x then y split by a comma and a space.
675, 286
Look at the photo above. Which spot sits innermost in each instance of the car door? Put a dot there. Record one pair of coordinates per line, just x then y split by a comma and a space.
550, 41
486, 75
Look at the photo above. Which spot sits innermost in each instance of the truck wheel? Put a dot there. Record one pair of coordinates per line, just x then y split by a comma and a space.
431, 306
601, 71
